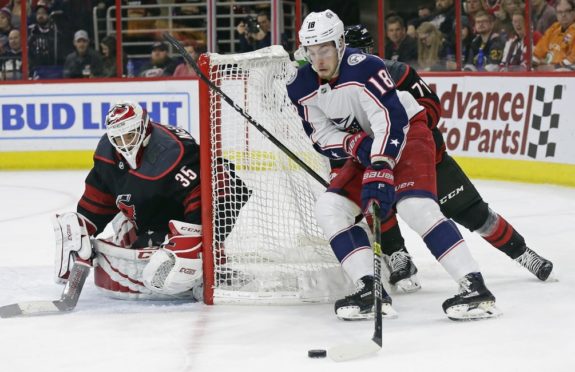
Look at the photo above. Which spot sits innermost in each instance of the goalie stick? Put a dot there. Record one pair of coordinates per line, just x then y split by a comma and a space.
66, 303
188, 58
341, 353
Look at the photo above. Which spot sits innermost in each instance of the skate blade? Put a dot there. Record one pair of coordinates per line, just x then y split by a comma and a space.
483, 310
552, 278
408, 285
352, 313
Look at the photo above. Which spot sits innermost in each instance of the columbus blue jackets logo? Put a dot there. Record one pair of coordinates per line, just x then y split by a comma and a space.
356, 58
348, 124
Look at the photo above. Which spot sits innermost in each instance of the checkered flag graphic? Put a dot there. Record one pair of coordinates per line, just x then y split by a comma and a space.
543, 122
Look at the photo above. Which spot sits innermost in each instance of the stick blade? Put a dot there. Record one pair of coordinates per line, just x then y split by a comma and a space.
66, 303
342, 353
31, 308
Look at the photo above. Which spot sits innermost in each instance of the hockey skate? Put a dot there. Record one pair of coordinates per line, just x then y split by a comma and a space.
402, 272
359, 305
474, 300
537, 265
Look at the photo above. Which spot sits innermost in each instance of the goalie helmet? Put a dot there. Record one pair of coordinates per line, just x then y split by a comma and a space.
321, 27
357, 36
128, 128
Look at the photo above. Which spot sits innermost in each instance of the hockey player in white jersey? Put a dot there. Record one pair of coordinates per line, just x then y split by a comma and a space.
350, 109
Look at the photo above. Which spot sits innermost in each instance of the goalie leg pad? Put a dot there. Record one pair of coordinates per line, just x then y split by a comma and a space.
72, 237
118, 273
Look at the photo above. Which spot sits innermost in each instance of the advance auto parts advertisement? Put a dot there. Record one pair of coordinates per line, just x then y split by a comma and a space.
520, 118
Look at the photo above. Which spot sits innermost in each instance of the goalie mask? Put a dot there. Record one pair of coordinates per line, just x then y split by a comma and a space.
128, 129
357, 36
322, 27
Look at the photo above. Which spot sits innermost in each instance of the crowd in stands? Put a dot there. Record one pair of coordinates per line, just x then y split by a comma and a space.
493, 36
67, 39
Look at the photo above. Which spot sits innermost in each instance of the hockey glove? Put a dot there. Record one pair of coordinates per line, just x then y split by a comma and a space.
378, 187
359, 146
177, 266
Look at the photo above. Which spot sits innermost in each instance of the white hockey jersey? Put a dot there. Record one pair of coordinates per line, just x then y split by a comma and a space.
362, 98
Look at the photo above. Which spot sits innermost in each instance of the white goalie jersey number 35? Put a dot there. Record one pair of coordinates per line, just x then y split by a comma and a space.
185, 176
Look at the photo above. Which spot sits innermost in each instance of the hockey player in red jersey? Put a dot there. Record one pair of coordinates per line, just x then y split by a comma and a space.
466, 206
145, 183
350, 108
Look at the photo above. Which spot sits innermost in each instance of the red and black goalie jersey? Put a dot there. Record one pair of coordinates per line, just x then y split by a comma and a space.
166, 185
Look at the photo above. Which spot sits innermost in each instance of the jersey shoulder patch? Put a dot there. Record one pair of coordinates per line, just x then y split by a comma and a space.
359, 67
355, 59
162, 154
304, 83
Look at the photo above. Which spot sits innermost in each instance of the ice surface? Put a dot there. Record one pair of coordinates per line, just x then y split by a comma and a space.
535, 333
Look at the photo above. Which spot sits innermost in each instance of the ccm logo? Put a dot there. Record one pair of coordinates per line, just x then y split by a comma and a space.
191, 229
187, 271
451, 195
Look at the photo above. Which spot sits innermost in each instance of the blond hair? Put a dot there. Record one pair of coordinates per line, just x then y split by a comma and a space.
428, 56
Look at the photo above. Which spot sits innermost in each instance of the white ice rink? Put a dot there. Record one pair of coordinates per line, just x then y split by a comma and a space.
536, 332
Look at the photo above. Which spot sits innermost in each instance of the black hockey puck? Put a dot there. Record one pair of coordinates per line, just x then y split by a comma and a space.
317, 353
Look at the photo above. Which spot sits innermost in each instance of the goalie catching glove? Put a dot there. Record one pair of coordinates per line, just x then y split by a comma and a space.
177, 266
72, 232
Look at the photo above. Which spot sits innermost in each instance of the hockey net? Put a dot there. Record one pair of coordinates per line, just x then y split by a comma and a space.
275, 253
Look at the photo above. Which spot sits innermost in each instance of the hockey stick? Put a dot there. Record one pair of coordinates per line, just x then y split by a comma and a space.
66, 303
342, 353
188, 58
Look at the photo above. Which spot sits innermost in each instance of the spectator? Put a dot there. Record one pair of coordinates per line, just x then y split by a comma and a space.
254, 35
195, 50
515, 52
556, 49
471, 7
108, 51
5, 26
443, 17
487, 47
44, 42
11, 59
85, 62
160, 62
542, 15
504, 15
15, 7
423, 12
401, 47
431, 48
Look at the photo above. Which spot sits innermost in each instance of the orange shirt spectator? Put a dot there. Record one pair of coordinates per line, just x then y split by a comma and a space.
557, 46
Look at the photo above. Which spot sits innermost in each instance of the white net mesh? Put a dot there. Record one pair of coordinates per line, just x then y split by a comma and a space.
276, 252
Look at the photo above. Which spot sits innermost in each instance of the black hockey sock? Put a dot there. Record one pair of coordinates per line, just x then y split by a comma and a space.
391, 239
506, 239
